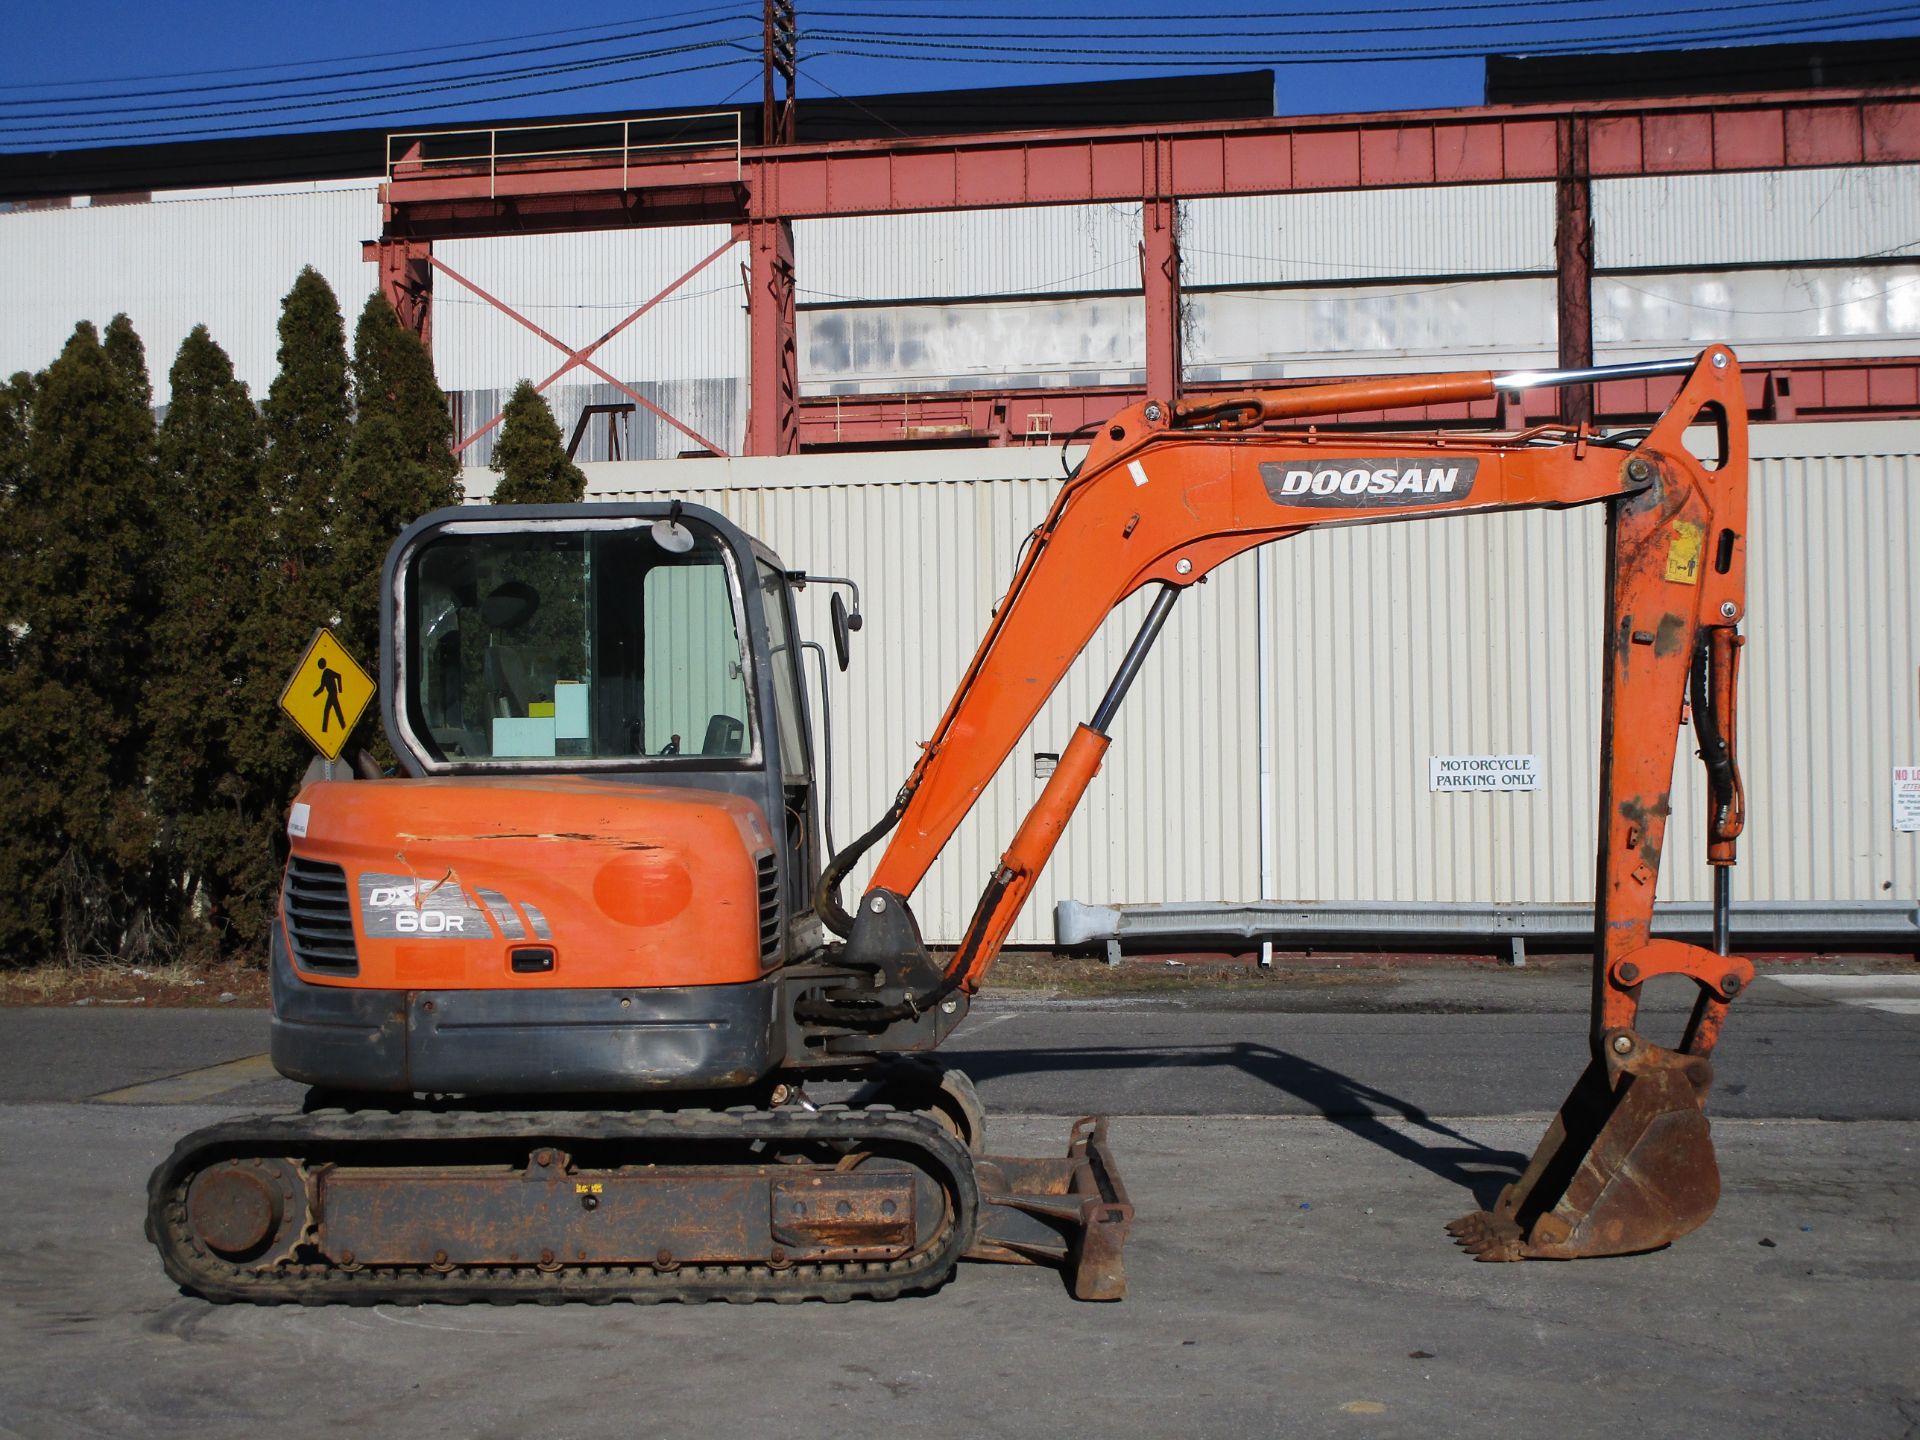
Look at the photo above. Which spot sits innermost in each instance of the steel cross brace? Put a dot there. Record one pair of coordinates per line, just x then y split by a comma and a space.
582, 357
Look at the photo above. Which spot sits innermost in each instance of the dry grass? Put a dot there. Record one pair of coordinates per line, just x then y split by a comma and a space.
171, 984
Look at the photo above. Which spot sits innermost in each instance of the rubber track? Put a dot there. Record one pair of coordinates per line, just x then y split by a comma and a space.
416, 1134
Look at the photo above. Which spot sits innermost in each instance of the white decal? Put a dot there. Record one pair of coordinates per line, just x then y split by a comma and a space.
428, 922
297, 820
1138, 471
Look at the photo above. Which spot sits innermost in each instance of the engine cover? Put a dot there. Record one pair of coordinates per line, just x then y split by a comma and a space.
524, 884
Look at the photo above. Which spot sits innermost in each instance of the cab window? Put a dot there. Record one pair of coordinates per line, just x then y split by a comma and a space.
599, 644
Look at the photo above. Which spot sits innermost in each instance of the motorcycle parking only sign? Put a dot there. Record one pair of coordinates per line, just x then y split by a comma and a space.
1478, 773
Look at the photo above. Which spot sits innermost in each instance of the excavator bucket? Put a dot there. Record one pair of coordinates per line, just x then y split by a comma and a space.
1626, 1166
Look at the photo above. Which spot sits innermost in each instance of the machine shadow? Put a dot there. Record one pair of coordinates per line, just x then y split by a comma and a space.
1361, 1110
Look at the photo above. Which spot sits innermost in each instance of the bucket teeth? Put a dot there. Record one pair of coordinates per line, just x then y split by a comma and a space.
1486, 1236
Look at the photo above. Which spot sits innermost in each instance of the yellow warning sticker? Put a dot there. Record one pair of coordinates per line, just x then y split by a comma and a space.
327, 694
1683, 553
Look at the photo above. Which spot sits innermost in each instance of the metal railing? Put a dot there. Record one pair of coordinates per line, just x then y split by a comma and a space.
1458, 925
415, 153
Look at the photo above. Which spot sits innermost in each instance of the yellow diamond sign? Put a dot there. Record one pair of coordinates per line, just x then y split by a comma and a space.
327, 694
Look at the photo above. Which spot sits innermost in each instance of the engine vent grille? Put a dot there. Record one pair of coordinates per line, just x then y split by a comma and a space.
769, 878
319, 915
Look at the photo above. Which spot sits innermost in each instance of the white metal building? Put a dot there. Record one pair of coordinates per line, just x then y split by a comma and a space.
1781, 264
1370, 657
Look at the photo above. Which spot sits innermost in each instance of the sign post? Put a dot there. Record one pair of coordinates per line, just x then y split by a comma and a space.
327, 694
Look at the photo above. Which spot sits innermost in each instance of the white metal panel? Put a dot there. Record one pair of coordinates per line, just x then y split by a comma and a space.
1831, 681
1762, 217
1095, 340
954, 254
1464, 324
1477, 635
174, 264
1481, 635
579, 286
1367, 234
1799, 313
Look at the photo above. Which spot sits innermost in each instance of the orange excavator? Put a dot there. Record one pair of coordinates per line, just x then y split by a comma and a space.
586, 1018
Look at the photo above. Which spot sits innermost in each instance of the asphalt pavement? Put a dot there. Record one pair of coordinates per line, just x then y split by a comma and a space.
1292, 1153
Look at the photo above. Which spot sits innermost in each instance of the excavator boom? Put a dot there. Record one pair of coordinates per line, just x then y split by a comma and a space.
1164, 496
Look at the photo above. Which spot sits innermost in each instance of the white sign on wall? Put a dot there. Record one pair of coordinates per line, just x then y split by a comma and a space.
1906, 797
1483, 772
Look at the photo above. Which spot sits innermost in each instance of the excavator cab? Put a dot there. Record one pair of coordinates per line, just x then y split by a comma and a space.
606, 837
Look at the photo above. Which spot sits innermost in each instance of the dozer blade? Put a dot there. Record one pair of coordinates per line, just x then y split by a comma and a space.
1627, 1166
1071, 1214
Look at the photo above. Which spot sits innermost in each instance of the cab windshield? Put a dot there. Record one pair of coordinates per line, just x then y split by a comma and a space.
606, 644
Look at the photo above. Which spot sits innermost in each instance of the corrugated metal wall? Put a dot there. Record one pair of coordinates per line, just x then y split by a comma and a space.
969, 254
1383, 329
1760, 217
579, 286
1783, 264
171, 265
1313, 239
1390, 643
1809, 263
1765, 314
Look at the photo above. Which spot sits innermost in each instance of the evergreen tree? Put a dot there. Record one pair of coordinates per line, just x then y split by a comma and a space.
222, 758
76, 856
393, 374
533, 465
128, 355
16, 408
309, 425
399, 466
27, 839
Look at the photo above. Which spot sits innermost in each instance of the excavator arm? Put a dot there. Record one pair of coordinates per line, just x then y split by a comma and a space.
1165, 495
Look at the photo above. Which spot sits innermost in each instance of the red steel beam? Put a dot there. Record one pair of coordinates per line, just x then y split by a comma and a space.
406, 279
1160, 274
1573, 262
1865, 389
773, 384
1190, 160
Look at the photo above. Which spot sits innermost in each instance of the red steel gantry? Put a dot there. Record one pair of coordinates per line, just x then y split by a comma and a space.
447, 186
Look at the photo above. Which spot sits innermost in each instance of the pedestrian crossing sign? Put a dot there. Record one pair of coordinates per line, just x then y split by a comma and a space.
327, 694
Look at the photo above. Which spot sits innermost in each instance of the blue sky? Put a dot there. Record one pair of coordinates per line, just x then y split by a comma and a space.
110, 71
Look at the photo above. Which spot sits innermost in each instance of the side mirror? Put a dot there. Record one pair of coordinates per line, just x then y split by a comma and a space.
843, 626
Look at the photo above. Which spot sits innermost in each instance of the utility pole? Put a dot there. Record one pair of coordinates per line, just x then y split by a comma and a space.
780, 52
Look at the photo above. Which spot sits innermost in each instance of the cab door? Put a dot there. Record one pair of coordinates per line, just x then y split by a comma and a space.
793, 746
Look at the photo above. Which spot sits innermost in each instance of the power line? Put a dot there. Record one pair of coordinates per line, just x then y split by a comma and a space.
318, 99
301, 105
902, 49
390, 54
920, 33
349, 74
1081, 23
210, 132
